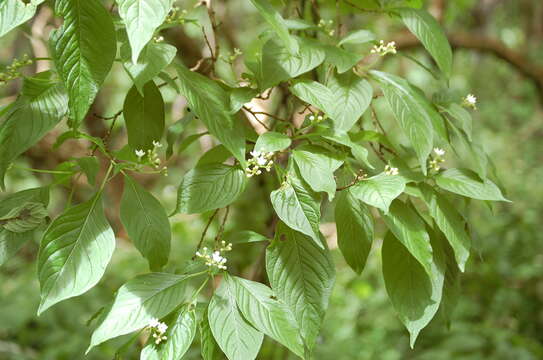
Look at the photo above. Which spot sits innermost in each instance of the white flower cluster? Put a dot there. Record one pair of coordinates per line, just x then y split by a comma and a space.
327, 26
382, 49
158, 330
389, 170
260, 160
215, 258
437, 160
470, 101
317, 118
152, 156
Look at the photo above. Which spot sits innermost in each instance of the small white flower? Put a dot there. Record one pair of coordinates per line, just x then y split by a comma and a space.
391, 170
154, 323
439, 152
312, 118
320, 118
140, 153
157, 144
162, 327
382, 49
470, 101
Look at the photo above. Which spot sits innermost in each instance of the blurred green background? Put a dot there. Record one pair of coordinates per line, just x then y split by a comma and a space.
500, 309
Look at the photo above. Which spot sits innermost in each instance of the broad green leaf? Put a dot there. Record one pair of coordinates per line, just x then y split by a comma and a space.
451, 284
279, 65
239, 96
209, 349
141, 18
90, 166
11, 243
235, 336
267, 314
145, 297
209, 187
74, 252
25, 217
450, 222
414, 293
359, 152
271, 141
472, 152
466, 183
144, 116
174, 132
414, 113
379, 190
216, 155
354, 230
317, 166
313, 93
180, 334
357, 37
16, 12
298, 207
244, 237
462, 116
351, 96
211, 104
410, 230
84, 49
302, 274
431, 35
146, 223
153, 59
342, 59
42, 104
278, 24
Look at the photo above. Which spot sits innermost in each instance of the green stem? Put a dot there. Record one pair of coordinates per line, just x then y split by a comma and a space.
106, 177
197, 292
59, 172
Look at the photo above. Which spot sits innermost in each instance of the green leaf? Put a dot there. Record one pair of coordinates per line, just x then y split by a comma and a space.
266, 313
414, 293
215, 155
244, 237
42, 104
410, 230
209, 187
354, 230
180, 334
235, 336
144, 116
359, 152
466, 183
351, 97
463, 117
342, 59
84, 49
277, 23
379, 190
450, 222
16, 12
208, 346
414, 113
153, 59
211, 104
90, 166
141, 18
146, 223
431, 35
271, 141
298, 207
25, 217
74, 252
302, 274
145, 297
174, 132
357, 37
317, 166
11, 243
313, 93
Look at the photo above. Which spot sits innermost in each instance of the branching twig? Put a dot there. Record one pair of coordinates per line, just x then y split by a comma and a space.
221, 228
254, 114
198, 247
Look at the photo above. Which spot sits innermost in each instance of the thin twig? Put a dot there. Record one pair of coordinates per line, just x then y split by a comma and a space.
361, 8
378, 153
221, 228
205, 231
256, 117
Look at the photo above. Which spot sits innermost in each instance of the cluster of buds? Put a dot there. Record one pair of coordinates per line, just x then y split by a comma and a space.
384, 49
158, 329
470, 101
12, 71
158, 39
316, 118
152, 157
260, 160
327, 26
176, 16
232, 57
215, 258
436, 160
389, 170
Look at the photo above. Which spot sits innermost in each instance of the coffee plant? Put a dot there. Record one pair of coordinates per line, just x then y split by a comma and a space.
303, 111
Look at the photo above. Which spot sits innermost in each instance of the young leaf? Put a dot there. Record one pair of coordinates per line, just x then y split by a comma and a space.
209, 187
141, 18
235, 336
379, 190
209, 349
144, 116
84, 49
302, 274
431, 35
42, 104
16, 12
74, 252
271, 141
278, 24
147, 223
414, 293
466, 183
259, 306
351, 97
357, 37
354, 230
145, 297
410, 230
317, 168
298, 207
211, 104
